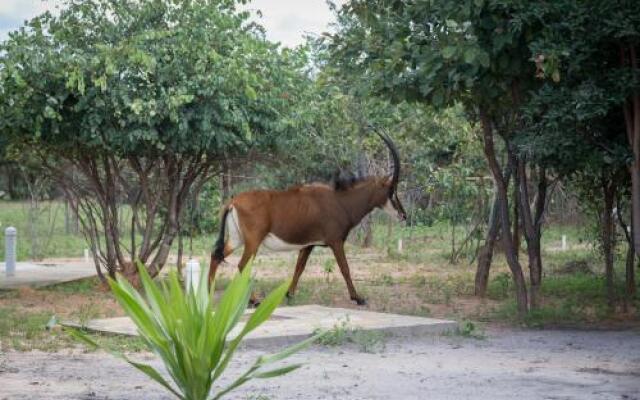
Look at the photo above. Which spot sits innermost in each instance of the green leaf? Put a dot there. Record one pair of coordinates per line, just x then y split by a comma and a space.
250, 93
470, 55
80, 336
483, 58
155, 375
277, 372
266, 308
448, 52
291, 349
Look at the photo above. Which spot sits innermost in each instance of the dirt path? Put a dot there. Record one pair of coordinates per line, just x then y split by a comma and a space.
508, 364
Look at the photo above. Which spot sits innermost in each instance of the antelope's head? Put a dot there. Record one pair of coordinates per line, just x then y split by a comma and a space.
391, 203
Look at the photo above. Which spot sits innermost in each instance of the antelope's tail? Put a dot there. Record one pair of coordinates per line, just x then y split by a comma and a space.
218, 248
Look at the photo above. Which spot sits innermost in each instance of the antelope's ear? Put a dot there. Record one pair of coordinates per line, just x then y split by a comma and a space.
387, 181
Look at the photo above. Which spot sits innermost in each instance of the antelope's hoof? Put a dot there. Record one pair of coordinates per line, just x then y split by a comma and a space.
254, 303
360, 301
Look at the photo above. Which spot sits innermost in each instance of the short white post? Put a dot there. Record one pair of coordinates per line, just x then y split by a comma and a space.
192, 272
399, 245
10, 239
86, 255
564, 242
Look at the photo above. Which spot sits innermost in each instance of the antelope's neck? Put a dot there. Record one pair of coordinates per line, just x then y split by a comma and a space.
357, 203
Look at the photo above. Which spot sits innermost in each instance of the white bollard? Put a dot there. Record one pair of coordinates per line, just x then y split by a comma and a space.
564, 242
399, 245
86, 255
192, 275
10, 239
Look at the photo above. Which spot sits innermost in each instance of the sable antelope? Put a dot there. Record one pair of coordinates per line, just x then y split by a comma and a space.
306, 216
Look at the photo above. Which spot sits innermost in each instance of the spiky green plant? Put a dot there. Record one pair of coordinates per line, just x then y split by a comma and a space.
190, 333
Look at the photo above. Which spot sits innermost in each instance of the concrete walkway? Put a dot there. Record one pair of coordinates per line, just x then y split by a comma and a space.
290, 324
44, 274
508, 364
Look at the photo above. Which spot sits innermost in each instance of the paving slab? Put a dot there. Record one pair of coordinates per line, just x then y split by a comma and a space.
44, 274
289, 324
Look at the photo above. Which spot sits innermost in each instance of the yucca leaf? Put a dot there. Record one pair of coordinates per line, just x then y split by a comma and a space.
231, 307
202, 291
237, 383
276, 372
281, 355
135, 306
153, 374
189, 334
266, 308
146, 369
154, 296
80, 336
260, 315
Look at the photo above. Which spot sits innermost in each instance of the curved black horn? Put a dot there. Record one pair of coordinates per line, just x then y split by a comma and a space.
394, 155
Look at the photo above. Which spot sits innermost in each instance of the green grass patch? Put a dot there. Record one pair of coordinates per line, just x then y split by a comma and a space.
343, 333
578, 287
24, 331
120, 343
81, 286
468, 329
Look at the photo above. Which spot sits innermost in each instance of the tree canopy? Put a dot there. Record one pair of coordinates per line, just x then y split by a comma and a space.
137, 103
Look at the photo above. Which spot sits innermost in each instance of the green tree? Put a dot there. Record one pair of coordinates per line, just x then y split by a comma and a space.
442, 52
582, 119
138, 103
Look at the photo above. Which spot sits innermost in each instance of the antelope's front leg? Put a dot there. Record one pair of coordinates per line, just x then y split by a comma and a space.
338, 252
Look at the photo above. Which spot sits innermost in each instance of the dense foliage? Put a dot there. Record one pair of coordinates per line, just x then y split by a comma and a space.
138, 103
538, 75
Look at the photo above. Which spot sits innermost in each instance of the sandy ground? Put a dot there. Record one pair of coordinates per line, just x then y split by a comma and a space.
507, 364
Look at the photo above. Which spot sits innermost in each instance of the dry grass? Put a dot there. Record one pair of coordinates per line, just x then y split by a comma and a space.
418, 281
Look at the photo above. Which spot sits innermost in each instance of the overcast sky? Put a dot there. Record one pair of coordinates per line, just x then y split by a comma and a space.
286, 21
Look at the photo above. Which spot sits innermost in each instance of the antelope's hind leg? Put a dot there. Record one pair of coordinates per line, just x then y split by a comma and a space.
249, 252
215, 263
303, 256
234, 240
338, 252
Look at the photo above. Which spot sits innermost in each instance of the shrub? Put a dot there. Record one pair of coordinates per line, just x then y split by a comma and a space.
190, 334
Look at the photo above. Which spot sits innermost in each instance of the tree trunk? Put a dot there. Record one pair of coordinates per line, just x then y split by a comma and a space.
485, 255
12, 183
67, 218
630, 275
367, 227
505, 222
225, 181
453, 259
630, 278
180, 252
631, 108
516, 214
532, 223
608, 191
630, 261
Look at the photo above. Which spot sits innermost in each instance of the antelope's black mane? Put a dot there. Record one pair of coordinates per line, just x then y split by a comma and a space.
342, 180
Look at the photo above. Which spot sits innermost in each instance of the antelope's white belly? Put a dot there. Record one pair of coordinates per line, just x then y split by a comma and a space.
274, 243
271, 241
